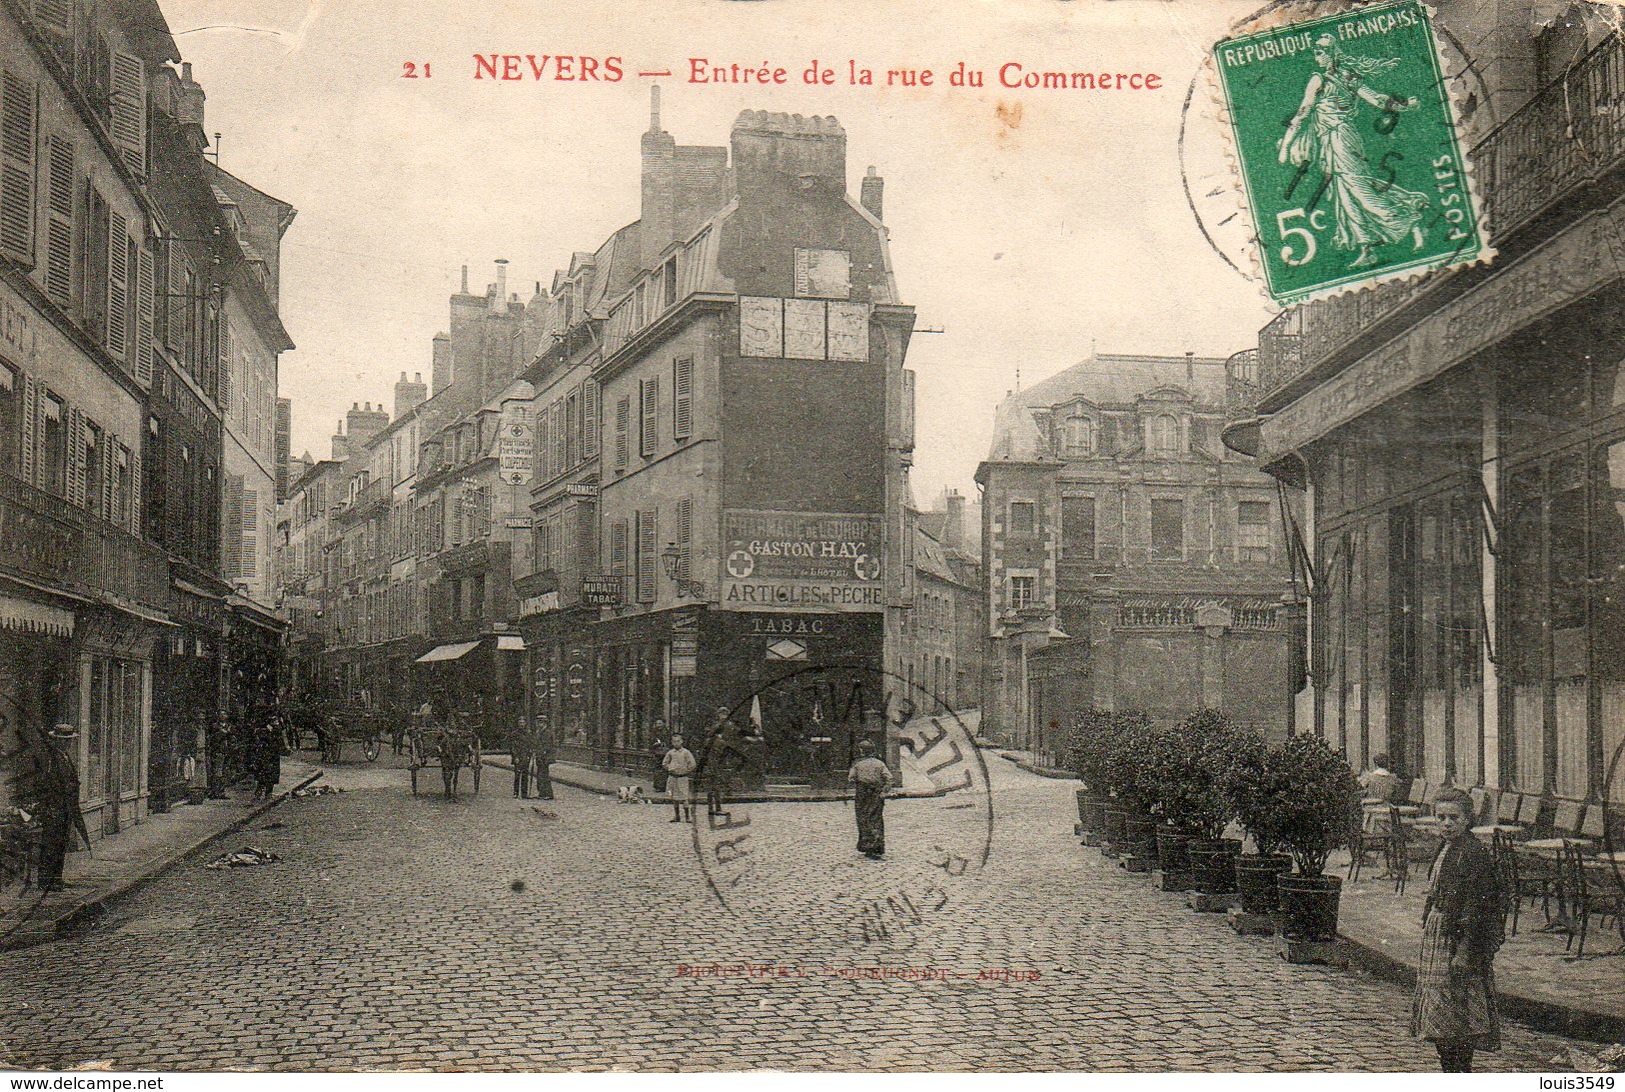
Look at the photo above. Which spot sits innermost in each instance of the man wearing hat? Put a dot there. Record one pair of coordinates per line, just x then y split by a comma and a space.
59, 806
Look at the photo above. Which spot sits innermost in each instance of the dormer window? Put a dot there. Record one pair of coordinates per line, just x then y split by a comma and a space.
1078, 435
1164, 434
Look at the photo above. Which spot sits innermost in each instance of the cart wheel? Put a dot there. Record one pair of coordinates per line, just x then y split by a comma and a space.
370, 749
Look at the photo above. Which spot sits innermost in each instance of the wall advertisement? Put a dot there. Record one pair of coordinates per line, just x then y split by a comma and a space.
801, 561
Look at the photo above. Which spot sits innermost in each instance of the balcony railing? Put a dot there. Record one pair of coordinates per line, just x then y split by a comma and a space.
1566, 135
44, 537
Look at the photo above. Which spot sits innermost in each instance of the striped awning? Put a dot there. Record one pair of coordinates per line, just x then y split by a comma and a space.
30, 617
447, 652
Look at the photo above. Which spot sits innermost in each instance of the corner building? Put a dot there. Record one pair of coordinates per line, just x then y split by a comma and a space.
1460, 440
716, 472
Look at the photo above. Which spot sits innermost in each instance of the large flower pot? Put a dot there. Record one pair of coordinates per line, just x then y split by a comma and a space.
1211, 869
1091, 805
1114, 818
1255, 881
1308, 906
1140, 832
1171, 855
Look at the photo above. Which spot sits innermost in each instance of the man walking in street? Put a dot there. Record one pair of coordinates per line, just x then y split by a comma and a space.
870, 780
59, 806
522, 753
722, 763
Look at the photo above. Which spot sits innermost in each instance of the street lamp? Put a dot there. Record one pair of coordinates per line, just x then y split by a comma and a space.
671, 559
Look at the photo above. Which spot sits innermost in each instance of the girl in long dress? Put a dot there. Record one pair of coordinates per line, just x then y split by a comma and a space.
1462, 927
870, 780
1369, 211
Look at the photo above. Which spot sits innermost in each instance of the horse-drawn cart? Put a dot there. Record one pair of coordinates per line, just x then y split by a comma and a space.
446, 745
352, 724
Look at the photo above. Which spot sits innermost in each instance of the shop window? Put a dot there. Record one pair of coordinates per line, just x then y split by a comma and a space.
1078, 527
1567, 565
1253, 530
1167, 529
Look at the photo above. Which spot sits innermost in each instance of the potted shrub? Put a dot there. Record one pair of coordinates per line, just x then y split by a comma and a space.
1315, 815
1209, 741
1129, 770
1086, 758
1253, 788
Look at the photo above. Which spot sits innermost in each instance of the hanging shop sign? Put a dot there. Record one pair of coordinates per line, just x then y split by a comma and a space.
516, 448
603, 591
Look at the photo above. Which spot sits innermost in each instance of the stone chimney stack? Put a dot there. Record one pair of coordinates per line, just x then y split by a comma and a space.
874, 188
775, 152
362, 424
1190, 370
499, 299
953, 528
409, 396
341, 443
440, 372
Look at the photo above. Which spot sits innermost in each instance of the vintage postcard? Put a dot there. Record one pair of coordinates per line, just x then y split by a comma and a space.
811, 536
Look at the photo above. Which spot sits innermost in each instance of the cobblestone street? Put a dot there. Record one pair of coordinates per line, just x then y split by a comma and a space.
491, 933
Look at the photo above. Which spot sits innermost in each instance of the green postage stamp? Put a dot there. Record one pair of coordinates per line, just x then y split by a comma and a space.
1348, 151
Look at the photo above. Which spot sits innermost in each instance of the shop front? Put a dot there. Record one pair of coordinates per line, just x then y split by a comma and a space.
186, 689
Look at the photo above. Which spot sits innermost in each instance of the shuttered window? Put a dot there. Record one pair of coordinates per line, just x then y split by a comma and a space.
60, 205
646, 556
175, 302
623, 423
144, 319
53, 439
118, 285
682, 397
55, 16
232, 562
76, 457
129, 106
29, 410
685, 536
591, 396
649, 417
617, 548
19, 117
572, 430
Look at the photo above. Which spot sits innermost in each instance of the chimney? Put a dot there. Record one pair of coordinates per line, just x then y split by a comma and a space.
465, 280
874, 187
362, 424
953, 528
189, 103
1190, 370
341, 443
658, 152
440, 363
409, 396
499, 300
773, 152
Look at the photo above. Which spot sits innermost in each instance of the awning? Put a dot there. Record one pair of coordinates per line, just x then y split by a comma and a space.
508, 643
448, 652
31, 617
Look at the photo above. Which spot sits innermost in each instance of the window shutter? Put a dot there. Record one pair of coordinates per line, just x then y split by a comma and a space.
251, 534
646, 557
232, 561
118, 283
55, 16
560, 430
685, 535
682, 397
59, 223
19, 116
623, 423
76, 457
175, 307
228, 381
143, 321
136, 490
617, 548
648, 421
591, 397
129, 101
30, 408
109, 457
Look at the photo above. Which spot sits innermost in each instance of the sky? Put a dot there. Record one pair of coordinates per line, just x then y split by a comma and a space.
1027, 225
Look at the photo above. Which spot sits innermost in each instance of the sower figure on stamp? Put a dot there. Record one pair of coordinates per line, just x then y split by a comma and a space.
870, 780
1369, 211
58, 806
1463, 926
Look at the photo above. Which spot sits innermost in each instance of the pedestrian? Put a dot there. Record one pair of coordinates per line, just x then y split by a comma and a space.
59, 815
219, 759
658, 750
723, 761
870, 779
1377, 782
265, 759
1463, 925
522, 754
679, 764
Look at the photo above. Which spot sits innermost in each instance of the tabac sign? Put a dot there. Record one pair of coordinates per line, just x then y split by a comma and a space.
516, 447
801, 561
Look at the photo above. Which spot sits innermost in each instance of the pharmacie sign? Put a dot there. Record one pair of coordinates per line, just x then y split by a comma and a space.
801, 561
516, 447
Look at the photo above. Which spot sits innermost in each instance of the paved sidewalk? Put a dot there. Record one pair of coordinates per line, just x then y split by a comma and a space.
119, 863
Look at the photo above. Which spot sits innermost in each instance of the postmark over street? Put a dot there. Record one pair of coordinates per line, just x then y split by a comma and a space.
1346, 142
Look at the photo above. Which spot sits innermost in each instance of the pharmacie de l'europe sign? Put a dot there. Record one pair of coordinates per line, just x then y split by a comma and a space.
807, 561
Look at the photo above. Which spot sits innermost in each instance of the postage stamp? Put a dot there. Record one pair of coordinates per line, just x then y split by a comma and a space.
1346, 141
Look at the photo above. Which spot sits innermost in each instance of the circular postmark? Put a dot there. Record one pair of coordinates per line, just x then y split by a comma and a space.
1213, 188
776, 829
